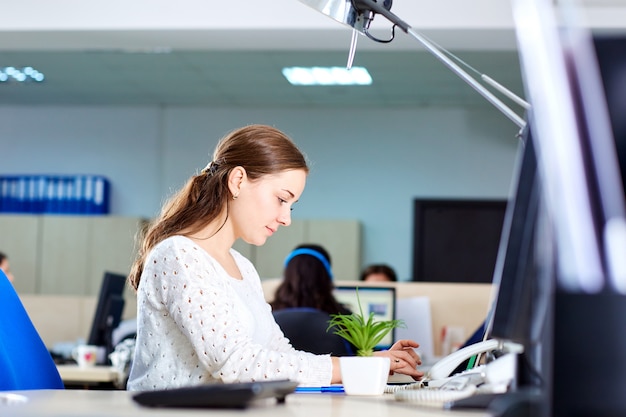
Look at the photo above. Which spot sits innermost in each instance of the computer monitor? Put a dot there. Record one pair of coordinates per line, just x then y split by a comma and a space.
523, 295
108, 312
523, 284
379, 300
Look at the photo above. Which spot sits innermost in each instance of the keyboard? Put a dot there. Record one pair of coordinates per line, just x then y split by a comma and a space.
436, 393
434, 397
234, 395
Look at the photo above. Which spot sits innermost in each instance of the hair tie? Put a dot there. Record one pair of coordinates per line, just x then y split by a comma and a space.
211, 168
313, 253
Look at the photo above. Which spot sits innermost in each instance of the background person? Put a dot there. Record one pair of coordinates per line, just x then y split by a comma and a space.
308, 281
201, 312
379, 273
304, 301
5, 266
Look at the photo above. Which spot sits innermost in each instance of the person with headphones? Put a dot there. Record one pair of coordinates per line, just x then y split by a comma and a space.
304, 301
307, 281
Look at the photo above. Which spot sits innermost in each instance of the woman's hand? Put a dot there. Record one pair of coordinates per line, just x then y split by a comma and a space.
404, 359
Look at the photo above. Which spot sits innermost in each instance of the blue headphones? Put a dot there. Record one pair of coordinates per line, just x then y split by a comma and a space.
313, 253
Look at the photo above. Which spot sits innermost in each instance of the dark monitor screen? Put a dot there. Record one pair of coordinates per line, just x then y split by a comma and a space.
109, 310
611, 54
378, 300
456, 240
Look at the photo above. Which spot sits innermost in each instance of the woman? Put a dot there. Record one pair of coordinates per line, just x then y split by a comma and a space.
201, 314
307, 282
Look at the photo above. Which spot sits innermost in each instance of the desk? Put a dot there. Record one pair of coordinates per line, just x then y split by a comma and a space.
116, 403
74, 375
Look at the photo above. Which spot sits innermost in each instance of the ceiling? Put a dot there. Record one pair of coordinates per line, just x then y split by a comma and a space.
242, 67
88, 60
245, 78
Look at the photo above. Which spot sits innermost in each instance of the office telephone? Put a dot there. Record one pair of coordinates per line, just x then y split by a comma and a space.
439, 385
445, 366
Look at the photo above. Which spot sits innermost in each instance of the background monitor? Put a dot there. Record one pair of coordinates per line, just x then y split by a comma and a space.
109, 310
456, 240
379, 300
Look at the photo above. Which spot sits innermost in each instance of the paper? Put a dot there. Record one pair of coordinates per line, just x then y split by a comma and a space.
415, 311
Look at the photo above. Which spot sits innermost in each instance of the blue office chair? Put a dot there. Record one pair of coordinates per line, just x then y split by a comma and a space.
306, 330
25, 362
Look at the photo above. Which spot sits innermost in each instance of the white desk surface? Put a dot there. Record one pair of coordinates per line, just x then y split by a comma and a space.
114, 403
75, 373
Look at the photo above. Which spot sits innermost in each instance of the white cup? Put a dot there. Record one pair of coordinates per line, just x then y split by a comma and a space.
85, 355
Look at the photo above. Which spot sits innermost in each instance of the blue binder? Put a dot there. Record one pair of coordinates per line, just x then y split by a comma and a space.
54, 194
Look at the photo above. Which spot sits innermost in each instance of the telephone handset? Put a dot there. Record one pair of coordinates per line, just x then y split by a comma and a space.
445, 366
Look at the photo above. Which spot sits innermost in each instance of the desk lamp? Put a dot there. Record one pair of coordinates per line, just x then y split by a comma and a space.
359, 14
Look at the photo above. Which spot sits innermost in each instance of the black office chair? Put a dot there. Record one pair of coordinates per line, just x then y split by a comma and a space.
306, 330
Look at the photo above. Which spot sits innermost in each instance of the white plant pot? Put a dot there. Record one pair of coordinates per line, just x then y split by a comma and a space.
364, 375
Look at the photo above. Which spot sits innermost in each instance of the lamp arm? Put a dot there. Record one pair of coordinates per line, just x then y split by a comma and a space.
487, 95
371, 5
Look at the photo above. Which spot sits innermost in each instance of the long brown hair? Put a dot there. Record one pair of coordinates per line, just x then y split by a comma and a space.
259, 149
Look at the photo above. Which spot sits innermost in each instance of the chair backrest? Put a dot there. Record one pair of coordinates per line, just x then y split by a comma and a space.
306, 330
25, 362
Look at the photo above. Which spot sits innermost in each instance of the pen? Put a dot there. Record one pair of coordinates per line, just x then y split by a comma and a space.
330, 388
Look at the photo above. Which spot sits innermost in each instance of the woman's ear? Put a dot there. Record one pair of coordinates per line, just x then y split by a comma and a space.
236, 177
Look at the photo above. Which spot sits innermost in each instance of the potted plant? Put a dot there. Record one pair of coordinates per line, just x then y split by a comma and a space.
363, 374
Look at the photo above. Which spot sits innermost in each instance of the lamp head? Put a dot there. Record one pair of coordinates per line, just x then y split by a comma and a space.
356, 14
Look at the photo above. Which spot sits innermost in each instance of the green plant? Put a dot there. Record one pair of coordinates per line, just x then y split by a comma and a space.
364, 333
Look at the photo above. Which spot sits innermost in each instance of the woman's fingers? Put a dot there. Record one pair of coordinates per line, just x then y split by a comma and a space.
402, 366
410, 356
404, 343
407, 347
404, 359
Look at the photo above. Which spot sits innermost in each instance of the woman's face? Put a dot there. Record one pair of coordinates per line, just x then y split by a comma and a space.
265, 204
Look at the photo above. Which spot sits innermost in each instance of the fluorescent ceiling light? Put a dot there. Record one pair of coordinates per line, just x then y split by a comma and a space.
20, 75
327, 76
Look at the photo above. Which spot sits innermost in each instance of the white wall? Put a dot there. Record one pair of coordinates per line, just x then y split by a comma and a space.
366, 164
